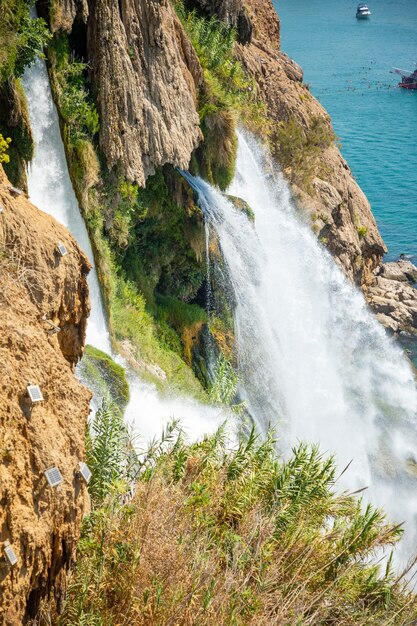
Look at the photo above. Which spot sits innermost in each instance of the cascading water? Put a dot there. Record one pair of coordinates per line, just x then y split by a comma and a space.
313, 361
50, 186
51, 190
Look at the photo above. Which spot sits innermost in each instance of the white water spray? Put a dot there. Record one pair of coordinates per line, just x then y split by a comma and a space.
51, 190
313, 361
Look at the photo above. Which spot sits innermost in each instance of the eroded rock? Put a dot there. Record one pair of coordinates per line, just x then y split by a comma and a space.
393, 297
145, 73
39, 291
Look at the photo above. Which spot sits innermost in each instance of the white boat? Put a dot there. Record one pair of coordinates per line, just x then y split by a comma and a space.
362, 12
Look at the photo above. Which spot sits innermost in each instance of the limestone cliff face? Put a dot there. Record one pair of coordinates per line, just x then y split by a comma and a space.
145, 90
340, 212
39, 289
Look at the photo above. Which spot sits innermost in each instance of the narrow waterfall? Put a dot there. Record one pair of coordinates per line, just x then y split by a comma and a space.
313, 361
50, 189
50, 186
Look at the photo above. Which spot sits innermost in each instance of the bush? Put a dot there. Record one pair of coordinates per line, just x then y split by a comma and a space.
227, 96
75, 106
22, 38
228, 535
299, 149
4, 146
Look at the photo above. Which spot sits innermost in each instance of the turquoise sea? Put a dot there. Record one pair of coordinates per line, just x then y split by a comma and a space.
347, 64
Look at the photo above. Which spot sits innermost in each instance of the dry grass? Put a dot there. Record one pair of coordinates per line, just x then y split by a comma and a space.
15, 271
220, 537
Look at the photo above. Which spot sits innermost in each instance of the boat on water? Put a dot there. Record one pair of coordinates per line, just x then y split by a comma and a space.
408, 78
362, 12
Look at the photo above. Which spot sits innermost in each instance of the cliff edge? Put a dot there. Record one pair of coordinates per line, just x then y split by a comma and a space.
40, 291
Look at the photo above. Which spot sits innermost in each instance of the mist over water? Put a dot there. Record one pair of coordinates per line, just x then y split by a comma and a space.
51, 190
313, 361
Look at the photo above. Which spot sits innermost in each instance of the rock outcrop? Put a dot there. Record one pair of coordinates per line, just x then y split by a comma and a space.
39, 291
393, 297
144, 73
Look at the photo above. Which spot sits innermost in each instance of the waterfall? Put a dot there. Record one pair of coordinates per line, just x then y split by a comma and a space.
50, 186
313, 361
50, 189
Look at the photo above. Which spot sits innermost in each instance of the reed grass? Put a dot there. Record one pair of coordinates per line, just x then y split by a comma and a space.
232, 535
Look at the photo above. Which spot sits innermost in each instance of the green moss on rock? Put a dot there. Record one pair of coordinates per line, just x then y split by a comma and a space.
14, 123
243, 206
105, 376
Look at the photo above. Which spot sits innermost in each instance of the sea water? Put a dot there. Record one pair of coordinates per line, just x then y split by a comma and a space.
347, 64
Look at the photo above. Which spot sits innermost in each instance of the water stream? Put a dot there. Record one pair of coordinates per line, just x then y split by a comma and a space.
313, 361
51, 190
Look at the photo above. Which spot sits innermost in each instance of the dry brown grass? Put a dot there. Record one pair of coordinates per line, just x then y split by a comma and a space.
238, 539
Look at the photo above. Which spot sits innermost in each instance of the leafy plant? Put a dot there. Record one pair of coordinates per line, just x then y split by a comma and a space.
222, 534
299, 149
22, 38
4, 146
226, 97
76, 108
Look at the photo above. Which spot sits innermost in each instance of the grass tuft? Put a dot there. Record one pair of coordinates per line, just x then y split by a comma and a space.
231, 535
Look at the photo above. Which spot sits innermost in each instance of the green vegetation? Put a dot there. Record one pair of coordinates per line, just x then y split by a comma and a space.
227, 535
148, 348
243, 206
227, 96
299, 150
22, 38
4, 146
186, 319
110, 452
141, 237
362, 231
76, 108
224, 388
105, 376
14, 123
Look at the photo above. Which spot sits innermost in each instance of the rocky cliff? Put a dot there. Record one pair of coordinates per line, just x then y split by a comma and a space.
144, 75
40, 292
339, 211
147, 78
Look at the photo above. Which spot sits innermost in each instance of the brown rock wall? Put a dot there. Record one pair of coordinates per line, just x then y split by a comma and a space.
41, 523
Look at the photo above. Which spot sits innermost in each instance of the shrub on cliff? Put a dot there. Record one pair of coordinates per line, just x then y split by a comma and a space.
226, 97
221, 534
299, 149
22, 38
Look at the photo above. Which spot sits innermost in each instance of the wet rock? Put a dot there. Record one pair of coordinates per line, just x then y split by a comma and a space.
243, 206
